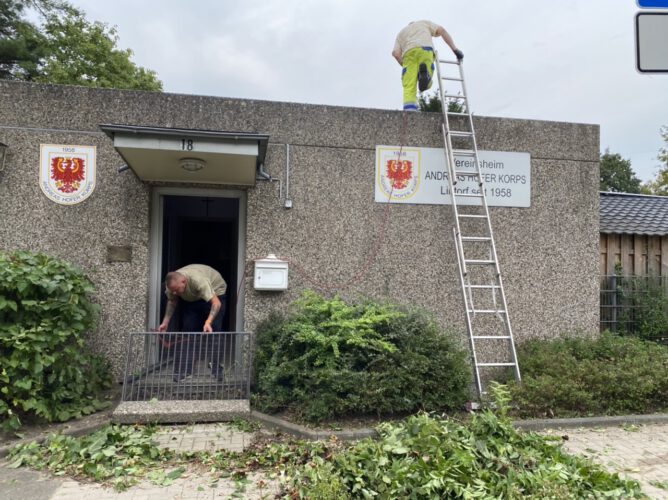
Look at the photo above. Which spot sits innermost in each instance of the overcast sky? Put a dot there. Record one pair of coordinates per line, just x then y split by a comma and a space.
563, 60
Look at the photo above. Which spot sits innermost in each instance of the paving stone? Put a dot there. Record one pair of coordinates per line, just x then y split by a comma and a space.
203, 437
23, 483
636, 452
193, 487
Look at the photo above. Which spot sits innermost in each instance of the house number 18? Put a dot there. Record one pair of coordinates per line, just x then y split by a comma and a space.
187, 144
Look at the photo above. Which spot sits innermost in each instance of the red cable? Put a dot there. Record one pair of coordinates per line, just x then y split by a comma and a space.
372, 254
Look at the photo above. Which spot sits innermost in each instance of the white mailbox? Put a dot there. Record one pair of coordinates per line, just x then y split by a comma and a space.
271, 273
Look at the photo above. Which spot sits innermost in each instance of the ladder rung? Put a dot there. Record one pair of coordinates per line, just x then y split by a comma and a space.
491, 337
476, 238
472, 174
496, 364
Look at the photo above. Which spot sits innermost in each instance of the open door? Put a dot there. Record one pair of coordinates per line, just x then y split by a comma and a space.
202, 230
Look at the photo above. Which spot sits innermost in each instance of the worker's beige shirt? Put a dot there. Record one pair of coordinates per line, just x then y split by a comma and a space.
204, 283
416, 34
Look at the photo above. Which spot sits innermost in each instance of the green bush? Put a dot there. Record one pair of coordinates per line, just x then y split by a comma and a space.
644, 311
609, 375
330, 359
45, 368
430, 457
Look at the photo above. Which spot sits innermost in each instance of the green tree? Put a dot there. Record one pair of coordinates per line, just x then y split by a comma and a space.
659, 185
431, 102
21, 43
617, 174
65, 48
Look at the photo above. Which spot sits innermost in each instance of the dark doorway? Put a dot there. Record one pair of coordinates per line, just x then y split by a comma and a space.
202, 230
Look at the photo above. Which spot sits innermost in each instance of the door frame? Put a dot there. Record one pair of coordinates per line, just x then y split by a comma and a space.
156, 244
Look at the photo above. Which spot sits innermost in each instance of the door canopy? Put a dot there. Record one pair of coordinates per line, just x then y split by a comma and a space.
160, 154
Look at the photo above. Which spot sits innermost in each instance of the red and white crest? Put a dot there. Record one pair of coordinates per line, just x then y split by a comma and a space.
67, 173
398, 173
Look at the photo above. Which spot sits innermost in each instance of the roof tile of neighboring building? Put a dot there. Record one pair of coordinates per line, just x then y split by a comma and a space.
624, 213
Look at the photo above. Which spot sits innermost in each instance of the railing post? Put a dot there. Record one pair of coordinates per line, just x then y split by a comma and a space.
613, 302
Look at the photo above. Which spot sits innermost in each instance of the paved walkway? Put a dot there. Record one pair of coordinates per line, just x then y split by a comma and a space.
188, 487
194, 484
638, 452
203, 437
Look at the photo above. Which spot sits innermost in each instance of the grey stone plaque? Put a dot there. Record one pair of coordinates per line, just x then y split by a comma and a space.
119, 253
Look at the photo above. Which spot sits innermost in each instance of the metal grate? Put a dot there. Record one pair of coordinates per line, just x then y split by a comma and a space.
187, 366
635, 305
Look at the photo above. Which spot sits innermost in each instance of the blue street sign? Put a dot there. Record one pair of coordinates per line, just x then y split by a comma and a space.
653, 4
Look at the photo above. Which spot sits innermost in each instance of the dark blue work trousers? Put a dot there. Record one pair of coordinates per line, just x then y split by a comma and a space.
191, 348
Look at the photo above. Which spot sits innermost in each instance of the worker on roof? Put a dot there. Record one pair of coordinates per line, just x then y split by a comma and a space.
414, 51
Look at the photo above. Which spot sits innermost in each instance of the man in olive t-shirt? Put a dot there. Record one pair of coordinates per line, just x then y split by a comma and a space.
199, 292
190, 284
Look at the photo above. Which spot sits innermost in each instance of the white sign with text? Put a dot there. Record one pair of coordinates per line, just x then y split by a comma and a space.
421, 177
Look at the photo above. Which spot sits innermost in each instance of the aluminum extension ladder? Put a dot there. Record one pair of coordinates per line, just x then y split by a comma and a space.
487, 319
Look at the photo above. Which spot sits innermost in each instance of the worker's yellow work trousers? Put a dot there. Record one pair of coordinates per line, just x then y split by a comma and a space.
409, 76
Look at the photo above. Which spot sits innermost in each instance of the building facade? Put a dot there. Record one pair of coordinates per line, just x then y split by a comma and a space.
182, 179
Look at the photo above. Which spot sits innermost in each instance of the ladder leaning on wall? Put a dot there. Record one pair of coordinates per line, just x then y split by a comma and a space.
487, 319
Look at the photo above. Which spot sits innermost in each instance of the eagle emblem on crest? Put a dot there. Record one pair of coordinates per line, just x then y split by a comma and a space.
67, 173
399, 172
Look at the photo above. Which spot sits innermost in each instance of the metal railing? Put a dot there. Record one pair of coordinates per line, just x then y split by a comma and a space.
635, 305
187, 366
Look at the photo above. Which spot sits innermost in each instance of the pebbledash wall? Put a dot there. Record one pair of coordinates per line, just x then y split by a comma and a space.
548, 252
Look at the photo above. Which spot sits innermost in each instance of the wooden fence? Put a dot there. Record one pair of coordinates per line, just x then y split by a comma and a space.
638, 254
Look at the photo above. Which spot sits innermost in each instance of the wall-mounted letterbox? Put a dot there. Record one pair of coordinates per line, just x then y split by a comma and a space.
271, 273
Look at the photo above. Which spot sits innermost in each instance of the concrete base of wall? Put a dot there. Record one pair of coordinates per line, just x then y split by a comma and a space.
173, 412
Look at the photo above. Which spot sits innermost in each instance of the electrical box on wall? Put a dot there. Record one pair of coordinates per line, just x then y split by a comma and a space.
271, 273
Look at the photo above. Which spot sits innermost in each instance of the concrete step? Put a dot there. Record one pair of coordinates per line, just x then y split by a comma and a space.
190, 411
